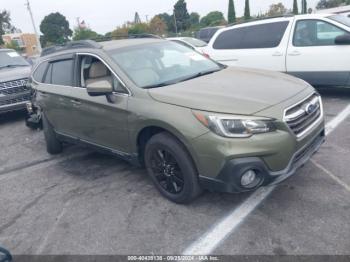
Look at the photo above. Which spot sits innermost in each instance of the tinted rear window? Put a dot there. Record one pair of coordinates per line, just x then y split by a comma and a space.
257, 36
39, 72
62, 72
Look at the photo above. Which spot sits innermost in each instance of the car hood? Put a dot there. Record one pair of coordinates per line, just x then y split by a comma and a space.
232, 90
14, 73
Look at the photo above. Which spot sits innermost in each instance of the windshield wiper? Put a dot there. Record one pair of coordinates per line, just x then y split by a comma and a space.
203, 73
14, 65
167, 83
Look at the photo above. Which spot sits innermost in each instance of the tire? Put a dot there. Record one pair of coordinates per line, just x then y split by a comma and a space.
168, 162
53, 145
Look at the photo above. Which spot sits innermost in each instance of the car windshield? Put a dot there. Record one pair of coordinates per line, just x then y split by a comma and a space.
195, 42
161, 64
11, 59
341, 19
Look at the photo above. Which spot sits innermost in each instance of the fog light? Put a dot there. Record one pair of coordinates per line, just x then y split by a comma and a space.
250, 179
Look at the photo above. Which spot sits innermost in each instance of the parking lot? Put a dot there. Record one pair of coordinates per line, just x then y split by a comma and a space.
82, 202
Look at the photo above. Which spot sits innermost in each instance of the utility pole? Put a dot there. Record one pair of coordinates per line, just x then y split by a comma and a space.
39, 49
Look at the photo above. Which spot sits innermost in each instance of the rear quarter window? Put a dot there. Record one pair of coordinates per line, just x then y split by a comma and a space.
252, 37
39, 72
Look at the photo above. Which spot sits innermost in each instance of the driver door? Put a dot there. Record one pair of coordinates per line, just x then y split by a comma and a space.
101, 121
313, 55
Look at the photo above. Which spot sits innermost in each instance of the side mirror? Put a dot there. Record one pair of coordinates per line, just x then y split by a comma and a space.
343, 39
99, 88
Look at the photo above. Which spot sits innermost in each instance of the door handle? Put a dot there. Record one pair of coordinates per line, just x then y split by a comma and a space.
277, 54
294, 53
75, 102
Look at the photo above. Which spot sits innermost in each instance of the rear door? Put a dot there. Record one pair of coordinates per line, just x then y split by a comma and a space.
55, 91
314, 56
262, 45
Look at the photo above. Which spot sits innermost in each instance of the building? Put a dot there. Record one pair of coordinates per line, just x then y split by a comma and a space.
25, 41
341, 10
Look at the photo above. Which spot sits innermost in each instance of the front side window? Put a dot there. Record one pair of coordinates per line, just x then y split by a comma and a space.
316, 33
94, 72
161, 64
62, 72
252, 37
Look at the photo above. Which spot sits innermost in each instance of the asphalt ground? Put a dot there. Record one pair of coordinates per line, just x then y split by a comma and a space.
86, 203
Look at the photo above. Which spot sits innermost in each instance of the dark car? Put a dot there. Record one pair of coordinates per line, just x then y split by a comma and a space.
14, 74
205, 34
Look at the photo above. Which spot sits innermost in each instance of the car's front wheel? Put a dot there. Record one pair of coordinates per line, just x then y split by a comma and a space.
171, 168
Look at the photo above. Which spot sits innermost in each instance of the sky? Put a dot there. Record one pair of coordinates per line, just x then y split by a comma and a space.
105, 15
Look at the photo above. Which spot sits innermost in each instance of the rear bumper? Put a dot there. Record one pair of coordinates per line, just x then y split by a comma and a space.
230, 176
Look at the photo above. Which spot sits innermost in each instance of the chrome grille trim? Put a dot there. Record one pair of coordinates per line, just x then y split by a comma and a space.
14, 92
299, 120
13, 84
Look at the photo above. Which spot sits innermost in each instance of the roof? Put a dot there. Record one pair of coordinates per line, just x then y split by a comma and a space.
287, 17
6, 50
115, 44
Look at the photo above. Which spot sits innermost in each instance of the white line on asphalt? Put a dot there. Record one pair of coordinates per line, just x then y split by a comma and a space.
336, 121
208, 242
334, 177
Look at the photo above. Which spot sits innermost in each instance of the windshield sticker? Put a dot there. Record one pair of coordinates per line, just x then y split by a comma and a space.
13, 54
195, 56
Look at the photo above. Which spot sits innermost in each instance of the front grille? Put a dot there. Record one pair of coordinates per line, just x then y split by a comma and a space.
308, 149
13, 92
301, 117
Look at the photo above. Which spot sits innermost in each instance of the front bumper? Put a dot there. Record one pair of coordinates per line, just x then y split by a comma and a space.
14, 102
229, 178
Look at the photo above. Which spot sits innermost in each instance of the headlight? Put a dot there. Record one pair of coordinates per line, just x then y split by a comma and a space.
229, 126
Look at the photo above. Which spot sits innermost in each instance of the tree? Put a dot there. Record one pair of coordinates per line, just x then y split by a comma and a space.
157, 26
55, 28
231, 17
247, 10
182, 16
295, 7
140, 28
194, 19
84, 34
169, 21
303, 6
5, 24
120, 31
213, 19
276, 9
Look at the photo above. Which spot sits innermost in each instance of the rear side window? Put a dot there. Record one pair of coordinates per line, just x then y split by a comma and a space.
257, 36
47, 79
62, 72
39, 73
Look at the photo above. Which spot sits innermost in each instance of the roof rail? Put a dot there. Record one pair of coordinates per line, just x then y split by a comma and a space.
260, 19
70, 45
129, 36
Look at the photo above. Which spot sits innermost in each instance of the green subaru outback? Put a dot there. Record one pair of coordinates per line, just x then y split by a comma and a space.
193, 123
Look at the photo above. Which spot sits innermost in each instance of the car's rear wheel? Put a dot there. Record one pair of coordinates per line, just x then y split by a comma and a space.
53, 145
171, 168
